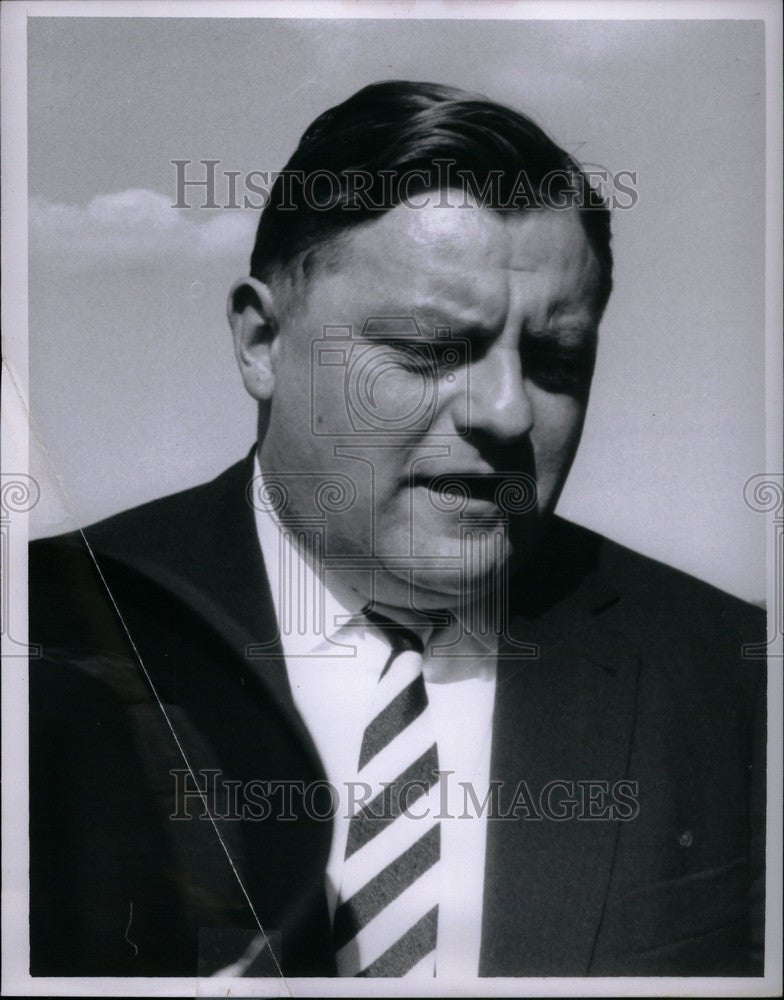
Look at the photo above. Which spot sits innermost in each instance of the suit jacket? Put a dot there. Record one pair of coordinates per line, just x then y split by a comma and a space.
145, 624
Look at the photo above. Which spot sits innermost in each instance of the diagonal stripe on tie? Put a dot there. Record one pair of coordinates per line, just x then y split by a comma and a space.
392, 720
404, 954
372, 898
389, 844
386, 921
388, 805
392, 923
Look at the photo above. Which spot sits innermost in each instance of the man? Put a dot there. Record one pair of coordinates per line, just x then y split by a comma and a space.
364, 705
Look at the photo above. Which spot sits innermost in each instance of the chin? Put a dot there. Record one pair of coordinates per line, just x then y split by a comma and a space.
439, 590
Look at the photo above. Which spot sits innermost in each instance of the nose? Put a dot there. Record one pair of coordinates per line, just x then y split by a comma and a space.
498, 402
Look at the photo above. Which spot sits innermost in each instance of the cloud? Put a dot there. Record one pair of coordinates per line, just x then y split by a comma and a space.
138, 226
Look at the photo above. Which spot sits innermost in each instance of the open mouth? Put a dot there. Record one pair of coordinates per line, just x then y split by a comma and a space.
512, 494
456, 491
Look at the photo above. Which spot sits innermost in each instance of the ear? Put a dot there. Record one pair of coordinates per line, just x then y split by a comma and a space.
254, 324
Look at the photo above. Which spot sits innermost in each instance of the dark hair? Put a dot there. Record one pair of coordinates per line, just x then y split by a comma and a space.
353, 161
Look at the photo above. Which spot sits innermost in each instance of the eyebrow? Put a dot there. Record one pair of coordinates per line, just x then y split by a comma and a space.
428, 320
569, 334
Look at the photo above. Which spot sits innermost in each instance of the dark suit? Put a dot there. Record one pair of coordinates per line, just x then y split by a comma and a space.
640, 677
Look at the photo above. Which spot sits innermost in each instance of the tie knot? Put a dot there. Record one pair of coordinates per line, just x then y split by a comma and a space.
401, 638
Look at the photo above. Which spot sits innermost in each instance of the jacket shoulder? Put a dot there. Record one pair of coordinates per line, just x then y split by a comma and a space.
684, 628
669, 601
159, 526
576, 571
693, 639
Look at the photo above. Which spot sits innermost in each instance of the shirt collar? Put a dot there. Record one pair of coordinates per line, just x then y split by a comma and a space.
312, 615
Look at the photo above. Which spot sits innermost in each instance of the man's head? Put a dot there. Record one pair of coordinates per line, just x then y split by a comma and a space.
421, 317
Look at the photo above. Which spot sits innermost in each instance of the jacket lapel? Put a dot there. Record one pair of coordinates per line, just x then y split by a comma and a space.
190, 566
565, 715
210, 562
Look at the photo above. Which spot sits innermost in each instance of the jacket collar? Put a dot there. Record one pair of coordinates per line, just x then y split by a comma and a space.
200, 547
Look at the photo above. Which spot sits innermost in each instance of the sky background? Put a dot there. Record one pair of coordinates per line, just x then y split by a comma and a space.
134, 391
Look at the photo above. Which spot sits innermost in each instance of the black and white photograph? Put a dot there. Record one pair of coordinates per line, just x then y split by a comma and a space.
392, 499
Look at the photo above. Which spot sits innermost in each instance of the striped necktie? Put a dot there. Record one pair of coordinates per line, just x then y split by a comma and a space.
387, 914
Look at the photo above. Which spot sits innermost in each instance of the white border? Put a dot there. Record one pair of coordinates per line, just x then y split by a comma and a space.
13, 52
569, 10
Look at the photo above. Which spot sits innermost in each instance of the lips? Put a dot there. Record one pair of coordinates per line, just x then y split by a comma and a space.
465, 486
515, 494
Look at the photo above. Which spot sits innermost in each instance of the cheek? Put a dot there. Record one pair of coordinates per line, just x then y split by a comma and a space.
293, 435
558, 422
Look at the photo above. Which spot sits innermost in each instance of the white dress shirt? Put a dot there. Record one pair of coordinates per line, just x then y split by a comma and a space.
333, 667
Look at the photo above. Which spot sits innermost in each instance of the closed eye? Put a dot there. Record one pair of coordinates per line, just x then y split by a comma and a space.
556, 368
433, 356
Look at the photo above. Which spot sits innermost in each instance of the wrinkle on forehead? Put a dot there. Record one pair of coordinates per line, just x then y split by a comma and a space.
439, 238
477, 264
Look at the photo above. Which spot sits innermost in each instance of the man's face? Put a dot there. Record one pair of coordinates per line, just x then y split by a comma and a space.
362, 392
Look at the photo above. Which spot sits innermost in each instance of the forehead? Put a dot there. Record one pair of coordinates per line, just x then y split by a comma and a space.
469, 259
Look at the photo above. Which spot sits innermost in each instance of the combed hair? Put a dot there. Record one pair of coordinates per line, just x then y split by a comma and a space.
395, 128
